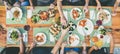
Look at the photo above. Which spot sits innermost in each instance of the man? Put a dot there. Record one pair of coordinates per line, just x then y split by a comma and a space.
59, 5
15, 50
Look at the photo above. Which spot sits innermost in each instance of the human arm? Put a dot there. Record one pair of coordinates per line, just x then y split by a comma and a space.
31, 47
21, 47
91, 49
52, 5
62, 48
60, 40
111, 42
84, 48
115, 7
98, 5
86, 6
59, 6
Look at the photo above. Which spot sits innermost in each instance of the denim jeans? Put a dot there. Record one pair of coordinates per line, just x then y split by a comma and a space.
116, 50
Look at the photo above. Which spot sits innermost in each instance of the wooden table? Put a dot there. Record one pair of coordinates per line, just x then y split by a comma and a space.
115, 25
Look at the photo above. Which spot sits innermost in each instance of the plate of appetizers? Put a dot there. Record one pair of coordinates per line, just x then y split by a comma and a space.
13, 35
73, 40
104, 15
40, 38
76, 13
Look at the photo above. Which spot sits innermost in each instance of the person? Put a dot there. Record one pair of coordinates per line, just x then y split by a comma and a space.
9, 3
104, 3
116, 7
59, 5
15, 50
38, 50
72, 50
96, 50
52, 3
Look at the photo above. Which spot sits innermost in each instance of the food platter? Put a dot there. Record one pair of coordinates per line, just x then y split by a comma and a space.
100, 40
85, 27
17, 12
13, 35
104, 15
76, 13
73, 40
40, 38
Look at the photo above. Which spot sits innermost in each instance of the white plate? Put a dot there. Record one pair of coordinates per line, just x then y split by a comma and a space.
17, 8
80, 12
40, 43
76, 42
9, 33
88, 25
100, 27
109, 16
105, 39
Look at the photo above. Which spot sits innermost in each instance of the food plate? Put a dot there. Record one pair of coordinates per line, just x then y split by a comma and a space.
76, 13
101, 30
73, 40
13, 35
40, 38
85, 27
104, 15
17, 12
100, 40
35, 19
104, 38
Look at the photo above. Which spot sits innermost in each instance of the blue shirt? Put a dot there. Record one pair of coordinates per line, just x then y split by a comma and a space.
74, 49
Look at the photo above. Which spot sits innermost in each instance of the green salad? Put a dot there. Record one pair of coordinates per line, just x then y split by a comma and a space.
35, 18
14, 35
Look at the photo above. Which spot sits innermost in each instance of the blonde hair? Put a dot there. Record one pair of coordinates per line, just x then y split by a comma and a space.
71, 52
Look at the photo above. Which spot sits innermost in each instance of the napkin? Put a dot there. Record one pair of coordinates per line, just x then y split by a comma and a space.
92, 14
29, 13
9, 14
52, 39
25, 37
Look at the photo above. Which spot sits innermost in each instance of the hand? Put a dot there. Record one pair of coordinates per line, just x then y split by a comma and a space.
20, 37
64, 44
84, 45
114, 13
63, 21
99, 7
32, 8
17, 4
64, 31
7, 7
32, 45
52, 6
85, 9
